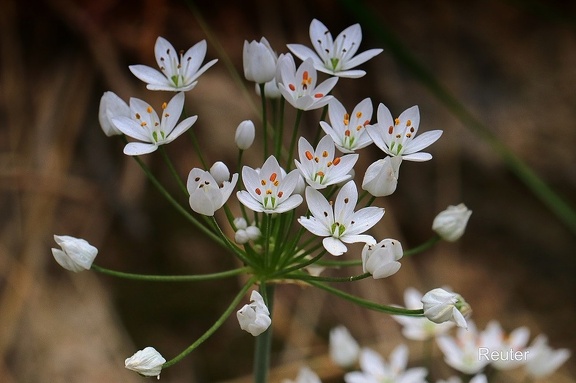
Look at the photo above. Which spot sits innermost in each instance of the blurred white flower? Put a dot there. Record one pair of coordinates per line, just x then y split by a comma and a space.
381, 259
76, 254
254, 317
451, 223
463, 352
542, 359
146, 362
177, 72
305, 375
335, 57
419, 328
111, 106
245, 133
344, 350
442, 306
505, 345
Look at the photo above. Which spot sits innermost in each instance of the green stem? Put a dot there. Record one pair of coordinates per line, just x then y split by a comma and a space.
368, 304
173, 170
264, 340
172, 278
293, 140
264, 121
196, 146
238, 251
215, 326
306, 277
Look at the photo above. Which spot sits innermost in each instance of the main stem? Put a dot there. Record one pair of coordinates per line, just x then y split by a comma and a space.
264, 340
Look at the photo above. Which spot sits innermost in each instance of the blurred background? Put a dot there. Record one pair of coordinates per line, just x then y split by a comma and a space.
511, 65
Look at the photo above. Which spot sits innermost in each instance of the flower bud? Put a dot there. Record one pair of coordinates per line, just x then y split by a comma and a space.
259, 61
245, 133
344, 350
111, 106
451, 223
253, 232
271, 89
220, 172
381, 259
254, 317
146, 362
381, 177
442, 306
76, 254
240, 223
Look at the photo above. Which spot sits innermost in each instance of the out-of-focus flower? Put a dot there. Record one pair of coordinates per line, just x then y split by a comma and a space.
463, 352
451, 223
419, 328
381, 177
374, 369
245, 233
146, 362
344, 350
496, 340
305, 375
339, 224
398, 137
207, 194
442, 306
480, 378
271, 89
254, 317
542, 360
111, 106
76, 254
259, 61
245, 133
145, 125
335, 57
348, 131
268, 190
177, 72
298, 86
320, 167
381, 259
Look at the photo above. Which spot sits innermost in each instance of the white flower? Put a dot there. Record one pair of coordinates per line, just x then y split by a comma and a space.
544, 360
209, 191
376, 370
269, 190
111, 106
339, 223
319, 167
381, 259
462, 352
298, 86
480, 378
348, 130
76, 254
442, 306
220, 172
496, 340
177, 72
451, 223
335, 57
305, 375
419, 328
254, 317
381, 177
245, 133
398, 137
259, 61
145, 125
344, 350
147, 362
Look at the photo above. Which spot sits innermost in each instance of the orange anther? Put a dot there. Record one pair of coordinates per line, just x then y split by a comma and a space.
309, 155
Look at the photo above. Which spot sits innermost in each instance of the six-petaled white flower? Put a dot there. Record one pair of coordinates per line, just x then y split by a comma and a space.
381, 259
335, 57
177, 72
398, 137
209, 191
111, 106
254, 317
319, 167
305, 375
461, 352
441, 306
298, 86
270, 189
496, 340
348, 131
543, 360
76, 254
146, 362
145, 125
339, 224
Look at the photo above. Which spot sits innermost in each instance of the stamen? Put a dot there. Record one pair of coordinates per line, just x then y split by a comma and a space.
347, 133
292, 87
358, 114
336, 161
390, 129
324, 154
396, 121
346, 119
164, 105
137, 116
366, 122
346, 200
268, 191
359, 127
280, 194
409, 123
149, 109
258, 191
273, 177
196, 179
263, 182
309, 155
318, 95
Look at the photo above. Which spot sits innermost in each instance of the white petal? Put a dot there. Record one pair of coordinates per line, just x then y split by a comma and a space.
139, 148
150, 75
334, 246
314, 226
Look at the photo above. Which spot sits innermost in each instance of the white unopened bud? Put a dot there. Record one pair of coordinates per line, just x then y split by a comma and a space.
443, 306
381, 177
259, 61
254, 317
220, 172
381, 259
147, 362
76, 254
451, 223
245, 133
253, 232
